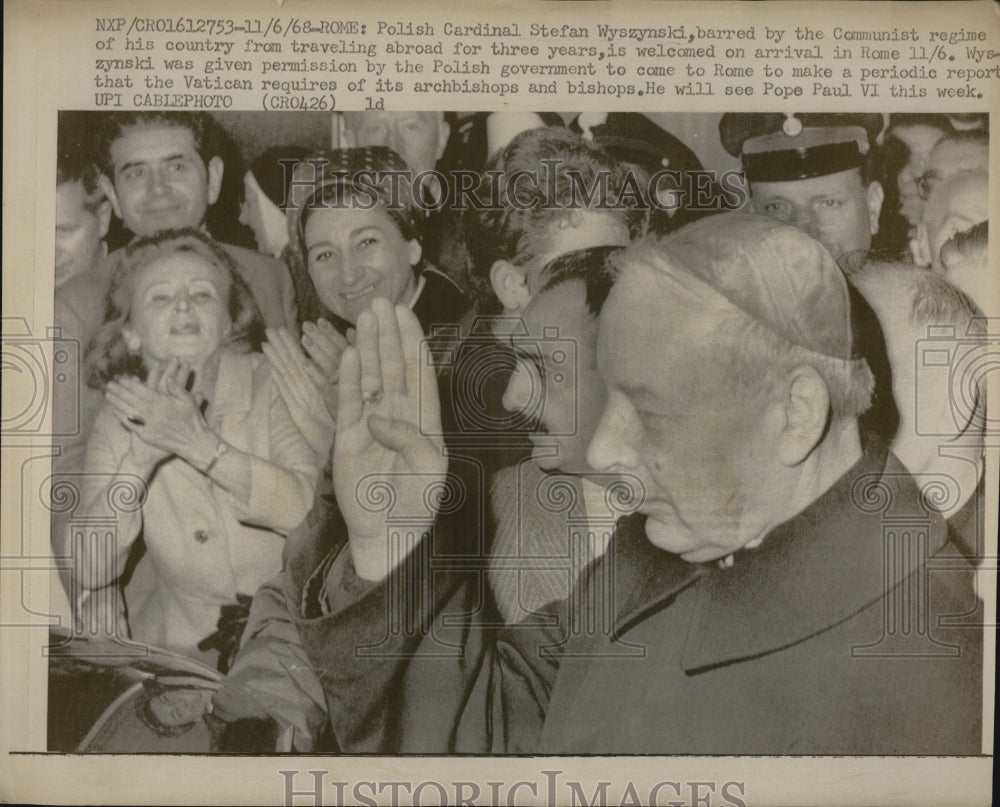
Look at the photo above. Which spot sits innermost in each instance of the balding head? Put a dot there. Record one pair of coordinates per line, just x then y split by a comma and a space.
956, 203
923, 316
418, 137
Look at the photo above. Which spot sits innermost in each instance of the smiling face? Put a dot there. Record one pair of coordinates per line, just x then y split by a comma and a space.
160, 181
179, 309
675, 418
837, 209
355, 255
556, 378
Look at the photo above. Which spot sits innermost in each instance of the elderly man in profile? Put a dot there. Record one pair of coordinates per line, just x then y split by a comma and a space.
752, 588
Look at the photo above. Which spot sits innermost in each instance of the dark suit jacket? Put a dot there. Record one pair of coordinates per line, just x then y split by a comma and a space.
838, 635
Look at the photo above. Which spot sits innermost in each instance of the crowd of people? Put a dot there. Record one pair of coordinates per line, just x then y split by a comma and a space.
516, 433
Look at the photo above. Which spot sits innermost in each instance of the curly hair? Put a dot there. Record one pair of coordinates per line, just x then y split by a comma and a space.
108, 357
512, 228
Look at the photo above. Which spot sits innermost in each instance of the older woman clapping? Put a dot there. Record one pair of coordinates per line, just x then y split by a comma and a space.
194, 423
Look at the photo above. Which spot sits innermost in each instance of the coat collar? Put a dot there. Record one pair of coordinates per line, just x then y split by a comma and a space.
810, 573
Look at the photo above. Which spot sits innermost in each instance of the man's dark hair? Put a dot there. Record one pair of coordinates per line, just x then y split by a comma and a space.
76, 158
206, 132
592, 266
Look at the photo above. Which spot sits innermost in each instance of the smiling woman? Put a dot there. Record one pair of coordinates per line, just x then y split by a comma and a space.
195, 435
354, 213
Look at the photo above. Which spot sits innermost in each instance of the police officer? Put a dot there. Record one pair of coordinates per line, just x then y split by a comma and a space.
812, 170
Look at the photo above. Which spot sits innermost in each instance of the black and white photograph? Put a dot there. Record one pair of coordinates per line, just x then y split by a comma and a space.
595, 438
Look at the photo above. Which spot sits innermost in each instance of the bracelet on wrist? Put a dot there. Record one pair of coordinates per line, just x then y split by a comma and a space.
220, 450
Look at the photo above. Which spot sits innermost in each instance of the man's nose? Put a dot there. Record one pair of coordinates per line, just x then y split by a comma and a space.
613, 440
805, 220
523, 393
182, 302
157, 182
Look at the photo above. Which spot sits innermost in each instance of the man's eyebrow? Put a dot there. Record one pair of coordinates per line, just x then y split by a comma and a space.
532, 354
168, 158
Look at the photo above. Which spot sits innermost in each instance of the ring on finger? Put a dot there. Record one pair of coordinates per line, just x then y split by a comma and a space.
373, 397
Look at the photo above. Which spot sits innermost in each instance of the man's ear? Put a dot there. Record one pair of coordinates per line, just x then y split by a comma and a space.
215, 170
920, 246
510, 284
444, 132
415, 251
876, 195
109, 190
806, 407
132, 340
104, 217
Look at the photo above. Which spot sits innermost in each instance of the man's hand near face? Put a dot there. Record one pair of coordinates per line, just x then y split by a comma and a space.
386, 394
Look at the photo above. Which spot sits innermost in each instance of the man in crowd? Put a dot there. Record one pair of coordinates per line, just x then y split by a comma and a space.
965, 261
537, 219
83, 215
161, 171
954, 154
957, 202
914, 135
554, 514
553, 518
83, 211
753, 588
813, 171
419, 138
941, 413
955, 191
